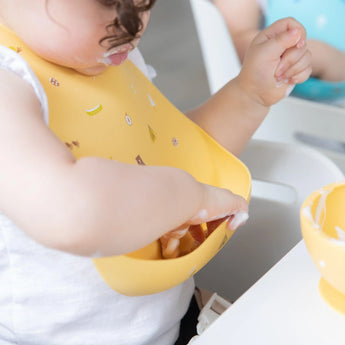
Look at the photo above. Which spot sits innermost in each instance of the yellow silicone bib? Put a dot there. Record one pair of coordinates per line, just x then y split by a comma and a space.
121, 115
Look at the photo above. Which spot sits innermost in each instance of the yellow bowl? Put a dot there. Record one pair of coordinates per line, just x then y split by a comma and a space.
145, 272
323, 229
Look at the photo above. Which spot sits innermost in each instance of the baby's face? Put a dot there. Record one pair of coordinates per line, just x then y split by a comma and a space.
67, 32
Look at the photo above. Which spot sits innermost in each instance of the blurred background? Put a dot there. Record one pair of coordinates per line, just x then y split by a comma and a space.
170, 45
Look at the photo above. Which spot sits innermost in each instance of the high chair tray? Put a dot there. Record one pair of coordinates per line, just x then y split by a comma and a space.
284, 307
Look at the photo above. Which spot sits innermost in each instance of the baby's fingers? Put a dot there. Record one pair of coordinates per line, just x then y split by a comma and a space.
282, 35
299, 77
221, 203
217, 205
294, 67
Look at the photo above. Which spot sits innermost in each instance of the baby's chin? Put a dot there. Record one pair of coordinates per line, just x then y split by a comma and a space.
78, 66
91, 71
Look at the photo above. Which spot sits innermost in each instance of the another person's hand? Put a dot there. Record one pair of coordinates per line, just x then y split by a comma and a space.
218, 205
277, 59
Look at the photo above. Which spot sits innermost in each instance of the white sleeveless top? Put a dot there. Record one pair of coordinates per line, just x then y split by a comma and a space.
42, 303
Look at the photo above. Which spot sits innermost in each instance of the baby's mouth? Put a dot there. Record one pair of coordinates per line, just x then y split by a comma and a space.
116, 56
114, 59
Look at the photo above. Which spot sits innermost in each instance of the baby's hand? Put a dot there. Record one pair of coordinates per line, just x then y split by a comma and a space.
219, 205
277, 59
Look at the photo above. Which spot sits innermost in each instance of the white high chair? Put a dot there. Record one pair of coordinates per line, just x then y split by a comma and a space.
283, 173
283, 176
218, 52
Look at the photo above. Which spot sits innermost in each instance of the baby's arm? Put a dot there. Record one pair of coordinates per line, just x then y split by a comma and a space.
91, 205
276, 59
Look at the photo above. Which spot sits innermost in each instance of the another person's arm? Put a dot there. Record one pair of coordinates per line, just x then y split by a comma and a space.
328, 63
243, 19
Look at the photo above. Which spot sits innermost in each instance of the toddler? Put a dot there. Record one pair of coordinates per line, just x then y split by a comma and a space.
81, 175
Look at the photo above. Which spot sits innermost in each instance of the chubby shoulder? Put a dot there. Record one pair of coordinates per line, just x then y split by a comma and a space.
19, 81
17, 97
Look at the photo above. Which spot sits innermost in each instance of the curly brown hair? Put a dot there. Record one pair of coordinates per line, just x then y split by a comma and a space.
127, 23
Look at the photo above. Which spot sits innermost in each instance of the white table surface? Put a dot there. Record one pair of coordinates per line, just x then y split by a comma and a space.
283, 307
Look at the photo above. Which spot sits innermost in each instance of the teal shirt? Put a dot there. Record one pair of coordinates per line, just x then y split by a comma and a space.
324, 21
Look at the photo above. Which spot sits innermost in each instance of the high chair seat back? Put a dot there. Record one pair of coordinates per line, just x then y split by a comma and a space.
220, 57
